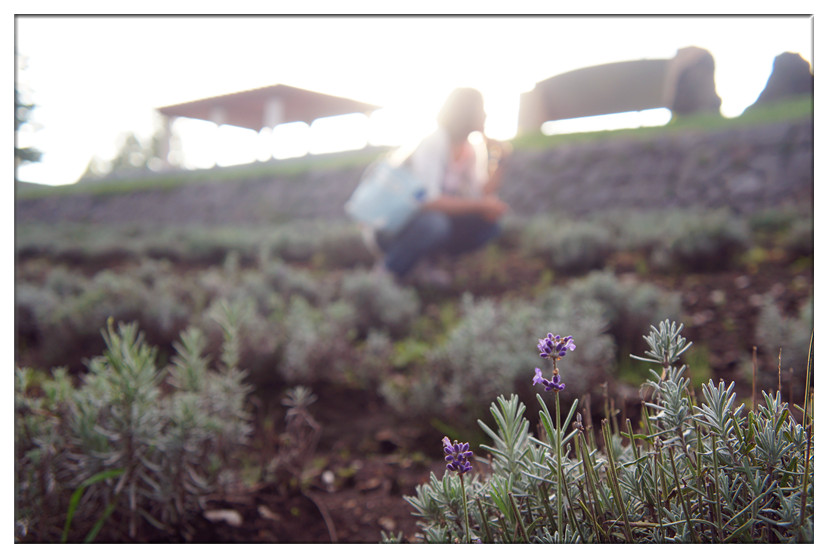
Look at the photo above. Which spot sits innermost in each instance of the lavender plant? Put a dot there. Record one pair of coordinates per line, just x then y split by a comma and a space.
444, 503
694, 471
569, 247
382, 305
791, 335
287, 281
244, 333
299, 440
702, 242
626, 306
305, 329
457, 461
488, 349
142, 456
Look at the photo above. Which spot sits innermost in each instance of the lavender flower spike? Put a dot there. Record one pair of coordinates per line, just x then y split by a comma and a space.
554, 347
538, 379
457, 456
554, 384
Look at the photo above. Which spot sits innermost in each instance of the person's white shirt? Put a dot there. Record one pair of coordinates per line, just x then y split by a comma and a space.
431, 159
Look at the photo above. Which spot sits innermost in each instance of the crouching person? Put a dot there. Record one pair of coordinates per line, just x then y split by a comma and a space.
461, 210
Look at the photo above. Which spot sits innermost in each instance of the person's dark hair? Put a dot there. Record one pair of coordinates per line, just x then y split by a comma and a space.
462, 112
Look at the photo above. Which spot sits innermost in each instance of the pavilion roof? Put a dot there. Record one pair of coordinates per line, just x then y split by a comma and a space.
249, 109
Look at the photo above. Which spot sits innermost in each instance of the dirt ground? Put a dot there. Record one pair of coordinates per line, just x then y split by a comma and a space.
374, 462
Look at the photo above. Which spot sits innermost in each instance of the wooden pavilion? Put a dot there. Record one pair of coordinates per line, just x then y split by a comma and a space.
266, 107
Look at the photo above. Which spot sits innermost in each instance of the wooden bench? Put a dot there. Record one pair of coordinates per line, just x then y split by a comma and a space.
684, 84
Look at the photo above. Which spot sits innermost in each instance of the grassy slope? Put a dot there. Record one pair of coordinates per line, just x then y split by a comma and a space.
797, 109
801, 108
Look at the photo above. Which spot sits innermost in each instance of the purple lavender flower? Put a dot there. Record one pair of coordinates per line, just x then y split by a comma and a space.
457, 456
554, 384
554, 347
538, 379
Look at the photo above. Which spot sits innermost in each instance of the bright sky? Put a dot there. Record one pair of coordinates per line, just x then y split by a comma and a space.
95, 78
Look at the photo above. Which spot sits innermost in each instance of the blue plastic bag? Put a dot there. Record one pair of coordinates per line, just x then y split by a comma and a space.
386, 198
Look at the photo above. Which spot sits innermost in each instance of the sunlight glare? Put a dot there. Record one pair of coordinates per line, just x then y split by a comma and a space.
339, 133
502, 106
264, 151
396, 127
197, 142
381, 129
618, 121
236, 145
290, 140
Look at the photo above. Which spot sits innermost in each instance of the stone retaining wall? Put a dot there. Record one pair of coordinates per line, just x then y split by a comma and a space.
743, 169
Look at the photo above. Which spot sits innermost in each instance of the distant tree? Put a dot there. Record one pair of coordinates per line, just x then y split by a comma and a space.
133, 156
22, 111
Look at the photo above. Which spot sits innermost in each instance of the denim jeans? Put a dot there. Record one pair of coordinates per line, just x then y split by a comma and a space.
431, 233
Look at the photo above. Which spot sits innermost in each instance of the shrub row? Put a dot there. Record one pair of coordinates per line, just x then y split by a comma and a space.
485, 352
690, 240
292, 323
297, 325
673, 240
333, 244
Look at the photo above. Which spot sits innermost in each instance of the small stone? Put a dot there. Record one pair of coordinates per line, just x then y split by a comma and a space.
703, 317
370, 484
387, 523
231, 517
267, 513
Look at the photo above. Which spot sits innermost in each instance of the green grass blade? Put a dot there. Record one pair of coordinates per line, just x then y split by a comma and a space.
78, 493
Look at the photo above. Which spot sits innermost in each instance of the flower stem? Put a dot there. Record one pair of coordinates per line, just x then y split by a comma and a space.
559, 497
465, 509
808, 430
589, 471
687, 516
716, 486
484, 521
613, 479
518, 519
